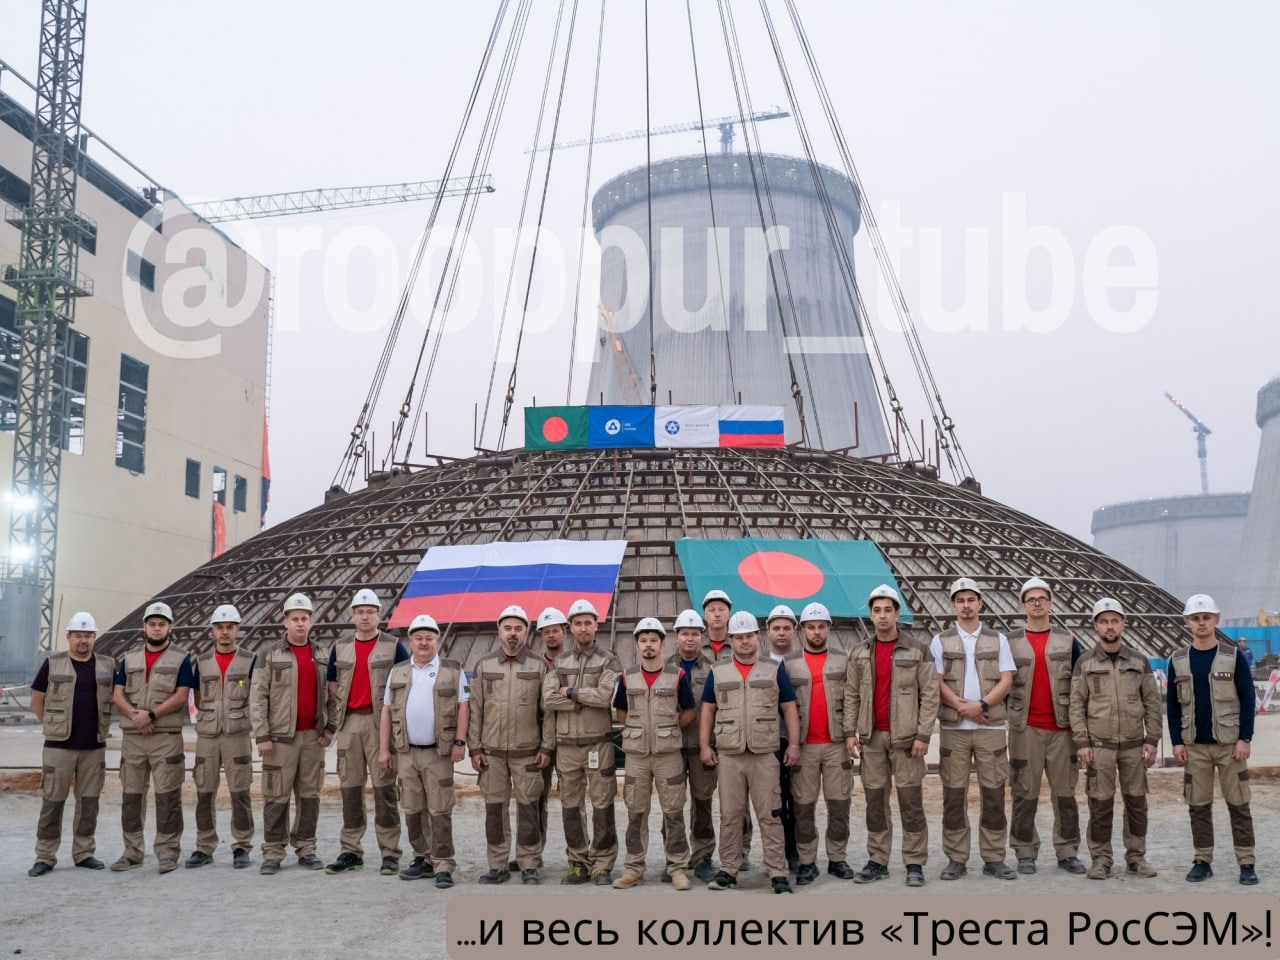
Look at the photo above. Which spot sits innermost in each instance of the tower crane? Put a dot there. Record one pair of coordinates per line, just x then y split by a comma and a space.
628, 383
726, 125
337, 198
1201, 431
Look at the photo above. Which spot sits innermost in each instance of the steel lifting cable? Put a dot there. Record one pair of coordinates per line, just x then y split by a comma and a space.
355, 445
915, 345
711, 203
648, 195
586, 203
844, 259
509, 401
738, 73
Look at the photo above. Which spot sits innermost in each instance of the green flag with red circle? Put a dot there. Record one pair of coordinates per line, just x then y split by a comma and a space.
759, 574
555, 428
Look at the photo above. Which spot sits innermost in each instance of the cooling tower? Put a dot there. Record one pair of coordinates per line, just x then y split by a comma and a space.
717, 333
1258, 568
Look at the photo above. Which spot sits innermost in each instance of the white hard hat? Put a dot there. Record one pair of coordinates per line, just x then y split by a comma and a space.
1032, 584
650, 625
424, 621
964, 583
815, 611
225, 614
298, 601
1200, 603
550, 617
157, 609
582, 607
516, 611
717, 595
81, 623
1107, 605
884, 592
743, 622
366, 598
781, 612
689, 618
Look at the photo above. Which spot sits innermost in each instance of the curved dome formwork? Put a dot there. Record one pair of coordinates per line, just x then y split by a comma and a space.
929, 532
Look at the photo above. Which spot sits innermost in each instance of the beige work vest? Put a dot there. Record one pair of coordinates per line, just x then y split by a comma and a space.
1222, 683
59, 698
1057, 657
381, 659
653, 713
444, 697
747, 719
224, 701
834, 674
147, 694
986, 657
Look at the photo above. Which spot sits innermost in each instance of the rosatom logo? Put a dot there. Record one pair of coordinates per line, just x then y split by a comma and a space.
672, 427
613, 427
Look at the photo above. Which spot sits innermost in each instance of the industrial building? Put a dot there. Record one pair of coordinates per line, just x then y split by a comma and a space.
157, 429
1257, 579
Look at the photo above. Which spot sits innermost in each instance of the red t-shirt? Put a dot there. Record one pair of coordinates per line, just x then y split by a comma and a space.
361, 696
1040, 710
743, 668
717, 646
152, 657
224, 660
649, 678
819, 725
884, 685
306, 686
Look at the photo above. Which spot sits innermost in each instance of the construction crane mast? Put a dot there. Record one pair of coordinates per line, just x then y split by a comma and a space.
48, 285
628, 383
337, 198
727, 126
1201, 431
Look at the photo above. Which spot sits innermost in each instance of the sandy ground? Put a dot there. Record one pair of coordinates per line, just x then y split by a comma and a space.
77, 913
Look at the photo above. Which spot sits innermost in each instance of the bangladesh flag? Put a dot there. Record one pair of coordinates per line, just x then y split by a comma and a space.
759, 574
555, 428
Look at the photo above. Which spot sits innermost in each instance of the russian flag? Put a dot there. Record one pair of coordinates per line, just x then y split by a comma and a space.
749, 425
475, 582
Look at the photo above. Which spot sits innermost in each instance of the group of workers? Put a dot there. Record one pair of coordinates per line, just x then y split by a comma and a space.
768, 725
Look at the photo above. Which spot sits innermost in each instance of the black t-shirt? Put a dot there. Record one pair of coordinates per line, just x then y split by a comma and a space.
84, 707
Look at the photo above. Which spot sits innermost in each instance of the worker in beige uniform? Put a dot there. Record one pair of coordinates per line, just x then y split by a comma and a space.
693, 660
424, 719
223, 678
890, 706
716, 608
741, 703
1114, 742
579, 692
552, 631
1211, 705
655, 705
287, 714
357, 683
818, 676
71, 697
151, 690
510, 739
975, 670
1040, 741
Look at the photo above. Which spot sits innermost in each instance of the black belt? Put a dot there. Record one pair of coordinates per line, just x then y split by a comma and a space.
422, 746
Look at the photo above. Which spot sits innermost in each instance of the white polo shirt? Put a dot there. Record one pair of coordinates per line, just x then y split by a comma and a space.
972, 685
420, 708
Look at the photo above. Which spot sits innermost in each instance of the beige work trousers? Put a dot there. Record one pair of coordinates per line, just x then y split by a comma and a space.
985, 750
1035, 754
1109, 767
506, 775
579, 783
1233, 777
881, 766
426, 796
665, 772
751, 778
61, 770
824, 767
155, 758
358, 762
702, 790
292, 770
232, 752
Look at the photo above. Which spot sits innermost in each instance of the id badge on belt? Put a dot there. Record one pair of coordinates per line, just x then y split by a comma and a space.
593, 759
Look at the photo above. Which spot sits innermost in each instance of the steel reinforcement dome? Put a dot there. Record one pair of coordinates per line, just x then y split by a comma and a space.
1258, 570
716, 328
929, 532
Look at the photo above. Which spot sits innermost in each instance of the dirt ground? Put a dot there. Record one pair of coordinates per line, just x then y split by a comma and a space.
78, 913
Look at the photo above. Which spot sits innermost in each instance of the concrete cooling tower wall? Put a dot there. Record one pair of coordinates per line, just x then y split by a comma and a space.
1258, 571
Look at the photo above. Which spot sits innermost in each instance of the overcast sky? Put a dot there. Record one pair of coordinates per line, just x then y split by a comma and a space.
1137, 136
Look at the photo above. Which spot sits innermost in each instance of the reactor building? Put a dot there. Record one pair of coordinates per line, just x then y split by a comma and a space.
1258, 569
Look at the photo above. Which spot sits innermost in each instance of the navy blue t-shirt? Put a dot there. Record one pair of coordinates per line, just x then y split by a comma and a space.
684, 694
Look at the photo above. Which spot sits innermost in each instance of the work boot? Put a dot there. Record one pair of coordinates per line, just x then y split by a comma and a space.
239, 858
954, 871
915, 875
91, 863
780, 885
1027, 866
167, 865
345, 862
390, 867
123, 864
1100, 870
680, 880
39, 869
419, 869
197, 859
578, 873
1140, 868
1200, 871
1000, 870
1248, 875
840, 869
444, 881
704, 870
269, 867
871, 872
494, 876
602, 878
746, 865
530, 877
806, 874
628, 880
311, 862
723, 881
1071, 865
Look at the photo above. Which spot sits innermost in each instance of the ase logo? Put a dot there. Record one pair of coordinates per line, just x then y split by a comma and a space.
613, 426
672, 427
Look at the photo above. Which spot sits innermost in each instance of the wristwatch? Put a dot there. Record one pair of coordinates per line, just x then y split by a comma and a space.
459, 743
986, 707
152, 715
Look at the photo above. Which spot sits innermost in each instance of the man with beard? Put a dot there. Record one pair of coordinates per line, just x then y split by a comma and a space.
693, 660
551, 631
151, 690
510, 740
71, 697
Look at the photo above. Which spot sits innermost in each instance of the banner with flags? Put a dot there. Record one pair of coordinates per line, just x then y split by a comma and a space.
759, 574
686, 426
473, 583
555, 428
751, 426
618, 426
